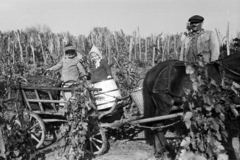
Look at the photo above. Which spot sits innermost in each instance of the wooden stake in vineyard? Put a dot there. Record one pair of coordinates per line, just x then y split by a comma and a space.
139, 44
50, 44
218, 37
83, 44
65, 40
163, 51
116, 44
175, 46
17, 35
9, 48
158, 43
146, 48
125, 40
153, 57
130, 50
135, 45
58, 46
32, 49
13, 50
227, 37
76, 42
92, 39
109, 53
43, 54
168, 45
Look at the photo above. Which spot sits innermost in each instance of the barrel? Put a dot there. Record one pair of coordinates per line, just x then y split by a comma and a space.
137, 97
107, 96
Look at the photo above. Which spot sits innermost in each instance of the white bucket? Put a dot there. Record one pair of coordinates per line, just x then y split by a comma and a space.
106, 98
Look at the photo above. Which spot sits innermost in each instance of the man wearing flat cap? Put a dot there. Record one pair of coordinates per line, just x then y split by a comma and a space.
199, 42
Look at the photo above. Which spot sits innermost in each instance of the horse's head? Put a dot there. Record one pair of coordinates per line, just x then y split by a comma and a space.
231, 66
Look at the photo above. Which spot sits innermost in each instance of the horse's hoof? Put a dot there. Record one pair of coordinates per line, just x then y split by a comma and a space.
162, 155
157, 155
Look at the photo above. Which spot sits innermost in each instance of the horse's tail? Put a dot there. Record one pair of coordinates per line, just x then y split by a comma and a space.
149, 107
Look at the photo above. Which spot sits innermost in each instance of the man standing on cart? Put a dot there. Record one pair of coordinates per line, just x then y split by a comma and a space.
71, 67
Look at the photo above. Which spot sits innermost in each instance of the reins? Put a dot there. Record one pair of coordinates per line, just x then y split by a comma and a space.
219, 62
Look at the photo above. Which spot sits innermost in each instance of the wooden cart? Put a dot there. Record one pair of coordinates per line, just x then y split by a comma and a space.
42, 110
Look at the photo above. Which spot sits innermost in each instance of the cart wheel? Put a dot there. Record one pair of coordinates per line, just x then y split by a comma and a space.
96, 142
36, 128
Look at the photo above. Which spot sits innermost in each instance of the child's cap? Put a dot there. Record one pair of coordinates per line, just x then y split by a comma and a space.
69, 48
95, 50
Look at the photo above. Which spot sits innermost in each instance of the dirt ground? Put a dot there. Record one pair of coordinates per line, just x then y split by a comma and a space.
128, 150
122, 150
118, 150
139, 150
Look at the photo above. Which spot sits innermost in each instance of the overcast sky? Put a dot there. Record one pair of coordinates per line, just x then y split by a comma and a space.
151, 16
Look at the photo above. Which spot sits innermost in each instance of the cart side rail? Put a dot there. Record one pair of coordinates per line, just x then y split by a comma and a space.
46, 88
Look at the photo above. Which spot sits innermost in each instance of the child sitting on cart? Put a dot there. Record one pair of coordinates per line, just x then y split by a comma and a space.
101, 78
100, 69
71, 67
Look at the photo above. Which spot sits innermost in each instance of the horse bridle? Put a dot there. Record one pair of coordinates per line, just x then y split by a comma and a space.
225, 68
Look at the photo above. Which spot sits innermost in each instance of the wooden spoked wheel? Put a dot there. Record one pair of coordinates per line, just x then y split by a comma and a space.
96, 142
35, 127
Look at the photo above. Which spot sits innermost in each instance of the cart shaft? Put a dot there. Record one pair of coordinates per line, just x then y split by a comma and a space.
159, 118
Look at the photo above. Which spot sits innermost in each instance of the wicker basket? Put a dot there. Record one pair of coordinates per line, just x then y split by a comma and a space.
137, 97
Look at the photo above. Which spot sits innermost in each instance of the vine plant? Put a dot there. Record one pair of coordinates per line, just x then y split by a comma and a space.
18, 140
206, 109
129, 74
78, 119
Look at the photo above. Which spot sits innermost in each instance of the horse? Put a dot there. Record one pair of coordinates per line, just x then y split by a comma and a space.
163, 88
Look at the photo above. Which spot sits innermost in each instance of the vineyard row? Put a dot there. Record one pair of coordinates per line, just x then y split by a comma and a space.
41, 47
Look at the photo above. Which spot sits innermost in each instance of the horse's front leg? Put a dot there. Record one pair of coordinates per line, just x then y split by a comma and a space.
163, 103
159, 140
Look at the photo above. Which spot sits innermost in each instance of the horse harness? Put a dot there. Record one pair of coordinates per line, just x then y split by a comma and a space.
225, 68
162, 84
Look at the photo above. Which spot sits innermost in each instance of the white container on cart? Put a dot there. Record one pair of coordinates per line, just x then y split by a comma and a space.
108, 95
